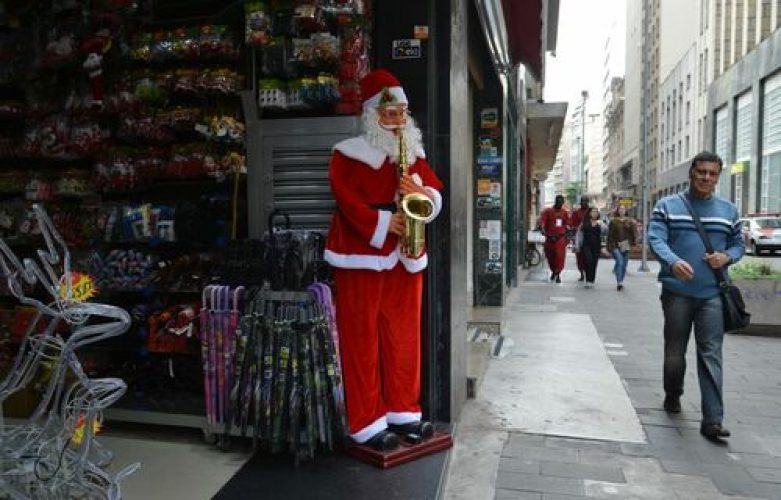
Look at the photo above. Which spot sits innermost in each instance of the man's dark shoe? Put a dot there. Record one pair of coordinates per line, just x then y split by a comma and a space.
420, 428
552, 276
672, 404
582, 276
383, 441
558, 278
714, 431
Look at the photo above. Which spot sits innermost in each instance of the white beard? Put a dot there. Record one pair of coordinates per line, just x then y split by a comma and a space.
387, 142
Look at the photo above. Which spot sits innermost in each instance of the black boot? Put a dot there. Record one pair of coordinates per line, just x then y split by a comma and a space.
413, 430
582, 276
383, 441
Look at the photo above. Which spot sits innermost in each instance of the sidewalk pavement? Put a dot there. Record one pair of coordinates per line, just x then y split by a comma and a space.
549, 422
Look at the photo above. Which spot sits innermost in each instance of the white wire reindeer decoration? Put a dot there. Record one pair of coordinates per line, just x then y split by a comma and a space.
40, 457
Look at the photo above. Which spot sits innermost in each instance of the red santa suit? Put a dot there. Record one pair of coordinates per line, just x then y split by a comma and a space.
554, 225
379, 290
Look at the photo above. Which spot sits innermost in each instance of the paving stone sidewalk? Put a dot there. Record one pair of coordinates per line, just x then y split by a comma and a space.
676, 462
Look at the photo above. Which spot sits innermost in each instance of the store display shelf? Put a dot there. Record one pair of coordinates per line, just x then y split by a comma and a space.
40, 163
165, 185
155, 418
146, 292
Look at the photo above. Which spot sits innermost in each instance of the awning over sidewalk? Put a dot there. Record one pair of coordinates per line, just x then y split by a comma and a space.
524, 30
520, 31
543, 128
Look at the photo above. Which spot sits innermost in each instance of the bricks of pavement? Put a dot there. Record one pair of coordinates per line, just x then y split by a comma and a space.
748, 464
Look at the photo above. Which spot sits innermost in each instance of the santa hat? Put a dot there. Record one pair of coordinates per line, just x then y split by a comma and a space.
381, 87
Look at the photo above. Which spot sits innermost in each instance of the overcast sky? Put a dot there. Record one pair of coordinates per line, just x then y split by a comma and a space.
580, 51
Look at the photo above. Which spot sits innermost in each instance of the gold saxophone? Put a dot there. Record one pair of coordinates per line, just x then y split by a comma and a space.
416, 208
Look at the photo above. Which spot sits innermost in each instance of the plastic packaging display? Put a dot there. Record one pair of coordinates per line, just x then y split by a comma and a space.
54, 454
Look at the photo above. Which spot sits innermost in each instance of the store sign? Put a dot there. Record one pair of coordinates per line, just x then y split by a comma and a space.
407, 49
626, 202
739, 167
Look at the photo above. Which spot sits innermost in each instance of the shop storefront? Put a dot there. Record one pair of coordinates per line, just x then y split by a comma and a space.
181, 150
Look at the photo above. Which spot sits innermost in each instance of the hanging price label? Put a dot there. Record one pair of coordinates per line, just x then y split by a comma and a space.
82, 287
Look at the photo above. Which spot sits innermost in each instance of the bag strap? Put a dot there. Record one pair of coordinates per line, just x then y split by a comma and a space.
720, 276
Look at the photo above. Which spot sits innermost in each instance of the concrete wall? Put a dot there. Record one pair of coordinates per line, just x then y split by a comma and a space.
632, 88
672, 173
460, 202
679, 27
747, 74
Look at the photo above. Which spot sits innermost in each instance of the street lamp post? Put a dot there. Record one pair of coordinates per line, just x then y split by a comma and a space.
581, 183
644, 138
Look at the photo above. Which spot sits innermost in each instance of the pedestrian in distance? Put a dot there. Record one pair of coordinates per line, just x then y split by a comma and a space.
621, 236
578, 216
590, 244
554, 222
690, 291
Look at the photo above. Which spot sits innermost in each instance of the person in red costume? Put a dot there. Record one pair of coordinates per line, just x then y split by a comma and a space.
554, 222
578, 216
379, 289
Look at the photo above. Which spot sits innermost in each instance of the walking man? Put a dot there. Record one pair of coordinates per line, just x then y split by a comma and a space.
554, 222
690, 294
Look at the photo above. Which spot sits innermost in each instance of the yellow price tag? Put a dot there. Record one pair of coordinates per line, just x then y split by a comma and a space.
82, 287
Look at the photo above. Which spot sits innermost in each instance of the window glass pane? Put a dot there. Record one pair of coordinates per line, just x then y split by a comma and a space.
721, 149
743, 128
770, 186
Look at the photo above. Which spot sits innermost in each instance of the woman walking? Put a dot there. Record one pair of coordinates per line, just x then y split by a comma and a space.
621, 235
591, 244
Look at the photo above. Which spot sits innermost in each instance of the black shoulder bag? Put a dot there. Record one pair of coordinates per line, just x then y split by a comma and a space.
735, 315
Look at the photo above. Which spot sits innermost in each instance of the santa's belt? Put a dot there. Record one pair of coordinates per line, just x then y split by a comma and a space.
388, 207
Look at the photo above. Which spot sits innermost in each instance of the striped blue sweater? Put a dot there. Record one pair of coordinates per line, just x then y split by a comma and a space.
672, 236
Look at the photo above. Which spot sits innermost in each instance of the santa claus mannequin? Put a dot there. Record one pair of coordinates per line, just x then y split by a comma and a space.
379, 287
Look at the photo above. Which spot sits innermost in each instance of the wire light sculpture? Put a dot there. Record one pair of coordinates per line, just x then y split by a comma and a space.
53, 454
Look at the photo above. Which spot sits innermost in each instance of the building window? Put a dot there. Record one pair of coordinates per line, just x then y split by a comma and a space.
680, 151
770, 174
688, 112
688, 81
686, 155
672, 156
680, 111
720, 138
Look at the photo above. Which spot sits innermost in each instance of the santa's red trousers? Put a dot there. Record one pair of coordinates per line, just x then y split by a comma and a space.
555, 253
378, 316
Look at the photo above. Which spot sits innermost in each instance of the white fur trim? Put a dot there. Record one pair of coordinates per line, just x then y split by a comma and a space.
437, 199
358, 148
405, 417
396, 92
381, 231
370, 430
356, 261
417, 180
412, 265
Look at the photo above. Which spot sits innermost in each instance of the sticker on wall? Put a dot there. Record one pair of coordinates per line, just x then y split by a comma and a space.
407, 49
493, 267
483, 187
490, 230
489, 118
488, 147
421, 32
492, 169
494, 250
494, 230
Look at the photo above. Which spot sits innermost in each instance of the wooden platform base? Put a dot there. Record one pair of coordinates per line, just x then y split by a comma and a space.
404, 453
